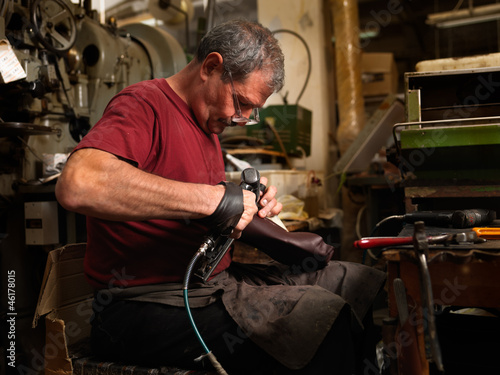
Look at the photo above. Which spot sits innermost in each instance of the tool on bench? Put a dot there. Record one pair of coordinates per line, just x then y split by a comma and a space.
460, 238
488, 233
216, 245
445, 218
421, 247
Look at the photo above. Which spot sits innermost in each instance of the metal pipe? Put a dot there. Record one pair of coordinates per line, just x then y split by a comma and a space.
348, 71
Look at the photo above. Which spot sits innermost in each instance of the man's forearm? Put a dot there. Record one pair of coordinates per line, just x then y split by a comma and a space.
97, 183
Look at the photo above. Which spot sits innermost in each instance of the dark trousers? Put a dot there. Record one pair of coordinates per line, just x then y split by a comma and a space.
152, 334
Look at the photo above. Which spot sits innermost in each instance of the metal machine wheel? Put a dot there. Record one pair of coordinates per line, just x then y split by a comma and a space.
54, 24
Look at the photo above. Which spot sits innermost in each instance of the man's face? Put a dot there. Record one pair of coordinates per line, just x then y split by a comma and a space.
218, 105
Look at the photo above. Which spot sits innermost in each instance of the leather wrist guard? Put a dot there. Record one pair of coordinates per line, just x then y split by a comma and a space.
228, 212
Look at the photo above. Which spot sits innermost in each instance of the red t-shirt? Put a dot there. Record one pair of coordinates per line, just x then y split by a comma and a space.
150, 126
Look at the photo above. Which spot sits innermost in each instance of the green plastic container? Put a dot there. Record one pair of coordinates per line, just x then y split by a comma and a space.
293, 125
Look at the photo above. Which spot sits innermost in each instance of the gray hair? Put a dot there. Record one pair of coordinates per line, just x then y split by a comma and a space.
245, 46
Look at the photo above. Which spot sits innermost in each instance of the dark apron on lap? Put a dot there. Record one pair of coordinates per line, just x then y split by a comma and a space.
285, 314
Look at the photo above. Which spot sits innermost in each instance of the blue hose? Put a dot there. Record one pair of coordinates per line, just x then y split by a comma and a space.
189, 271
201, 252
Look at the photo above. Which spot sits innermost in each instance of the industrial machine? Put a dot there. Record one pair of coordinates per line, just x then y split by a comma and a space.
73, 65
452, 124
59, 68
447, 150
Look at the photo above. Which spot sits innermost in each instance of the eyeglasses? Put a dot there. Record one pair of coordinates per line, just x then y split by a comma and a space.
238, 118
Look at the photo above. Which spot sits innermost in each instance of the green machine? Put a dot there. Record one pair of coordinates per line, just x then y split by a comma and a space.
284, 128
452, 132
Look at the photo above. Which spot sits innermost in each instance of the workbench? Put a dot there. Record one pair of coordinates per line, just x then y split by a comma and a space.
467, 278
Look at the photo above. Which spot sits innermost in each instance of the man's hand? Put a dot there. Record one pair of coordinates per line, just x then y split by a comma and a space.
269, 206
249, 211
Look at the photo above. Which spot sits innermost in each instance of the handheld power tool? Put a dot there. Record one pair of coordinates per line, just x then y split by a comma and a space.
213, 249
218, 243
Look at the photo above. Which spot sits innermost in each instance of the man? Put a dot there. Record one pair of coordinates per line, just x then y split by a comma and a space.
147, 177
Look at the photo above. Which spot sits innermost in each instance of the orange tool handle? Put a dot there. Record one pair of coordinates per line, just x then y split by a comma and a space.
489, 233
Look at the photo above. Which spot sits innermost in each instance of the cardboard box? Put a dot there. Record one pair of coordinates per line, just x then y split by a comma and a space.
379, 74
65, 301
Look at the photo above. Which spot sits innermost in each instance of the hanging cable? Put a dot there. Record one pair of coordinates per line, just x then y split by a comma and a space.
375, 228
201, 252
309, 63
215, 246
